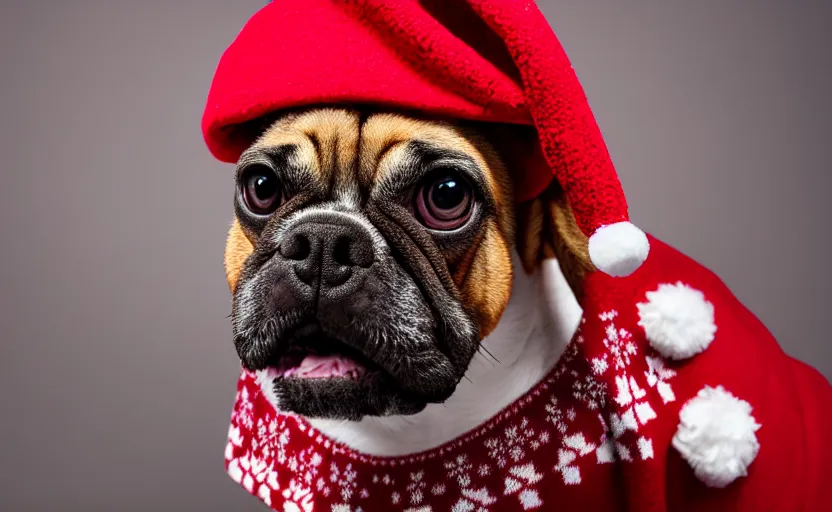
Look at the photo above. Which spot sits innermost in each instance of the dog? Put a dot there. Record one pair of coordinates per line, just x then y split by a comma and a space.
440, 301
385, 285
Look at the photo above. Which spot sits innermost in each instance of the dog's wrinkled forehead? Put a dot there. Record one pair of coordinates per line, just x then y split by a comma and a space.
348, 155
316, 149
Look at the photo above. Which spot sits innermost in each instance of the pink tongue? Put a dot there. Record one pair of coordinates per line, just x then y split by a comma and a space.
324, 366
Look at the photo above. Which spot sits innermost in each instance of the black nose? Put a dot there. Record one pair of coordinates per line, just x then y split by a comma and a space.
333, 251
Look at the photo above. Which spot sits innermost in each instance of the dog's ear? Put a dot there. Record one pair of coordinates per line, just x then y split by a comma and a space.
546, 228
545, 225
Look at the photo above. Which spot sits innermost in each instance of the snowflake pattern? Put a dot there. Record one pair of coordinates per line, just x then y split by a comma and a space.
590, 413
255, 475
416, 487
621, 348
274, 437
345, 479
657, 377
556, 416
512, 445
590, 391
246, 413
630, 394
459, 470
298, 499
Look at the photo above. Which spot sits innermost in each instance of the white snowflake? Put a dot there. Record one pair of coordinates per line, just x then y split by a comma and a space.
619, 344
322, 487
255, 474
645, 448
555, 415
605, 453
298, 498
590, 392
599, 365
512, 445
575, 446
306, 466
245, 412
474, 500
638, 412
346, 480
521, 482
459, 469
235, 438
416, 487
273, 437
657, 377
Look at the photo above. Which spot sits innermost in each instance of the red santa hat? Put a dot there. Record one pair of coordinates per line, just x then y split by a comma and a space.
669, 375
495, 61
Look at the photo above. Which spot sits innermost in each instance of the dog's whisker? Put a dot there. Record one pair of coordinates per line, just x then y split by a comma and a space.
489, 353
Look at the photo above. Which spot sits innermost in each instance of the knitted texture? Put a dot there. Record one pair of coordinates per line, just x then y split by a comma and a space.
595, 434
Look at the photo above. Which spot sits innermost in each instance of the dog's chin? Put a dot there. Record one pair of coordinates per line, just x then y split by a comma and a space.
322, 377
343, 398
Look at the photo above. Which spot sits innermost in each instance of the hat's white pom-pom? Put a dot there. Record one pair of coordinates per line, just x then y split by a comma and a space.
717, 436
677, 320
618, 249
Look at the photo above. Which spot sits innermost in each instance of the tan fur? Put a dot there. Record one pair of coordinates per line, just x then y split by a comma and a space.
237, 250
382, 145
547, 229
570, 245
487, 286
531, 233
328, 141
484, 272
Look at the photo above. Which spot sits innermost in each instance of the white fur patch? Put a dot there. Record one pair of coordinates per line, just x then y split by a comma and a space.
677, 320
266, 379
717, 436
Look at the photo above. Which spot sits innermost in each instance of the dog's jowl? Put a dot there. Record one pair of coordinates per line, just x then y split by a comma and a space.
368, 257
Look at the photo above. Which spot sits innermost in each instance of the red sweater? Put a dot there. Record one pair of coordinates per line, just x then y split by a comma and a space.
738, 425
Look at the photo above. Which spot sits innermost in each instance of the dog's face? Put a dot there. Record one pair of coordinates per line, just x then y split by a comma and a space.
369, 255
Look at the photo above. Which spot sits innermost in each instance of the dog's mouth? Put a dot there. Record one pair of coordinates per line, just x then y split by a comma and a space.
317, 356
314, 366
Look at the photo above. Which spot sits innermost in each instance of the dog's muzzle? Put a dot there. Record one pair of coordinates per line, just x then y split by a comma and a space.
333, 315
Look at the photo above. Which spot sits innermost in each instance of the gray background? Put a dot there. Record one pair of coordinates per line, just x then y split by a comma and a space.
117, 372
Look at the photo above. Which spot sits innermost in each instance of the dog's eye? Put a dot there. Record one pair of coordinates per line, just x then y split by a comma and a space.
261, 189
444, 201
